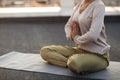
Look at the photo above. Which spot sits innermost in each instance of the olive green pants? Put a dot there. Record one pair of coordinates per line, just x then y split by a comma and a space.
77, 60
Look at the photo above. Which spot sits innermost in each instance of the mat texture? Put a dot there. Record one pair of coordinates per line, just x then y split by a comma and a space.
34, 63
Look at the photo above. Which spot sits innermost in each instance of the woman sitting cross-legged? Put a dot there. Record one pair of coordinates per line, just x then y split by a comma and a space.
86, 28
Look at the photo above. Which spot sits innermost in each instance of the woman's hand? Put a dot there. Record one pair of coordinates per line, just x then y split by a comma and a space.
75, 30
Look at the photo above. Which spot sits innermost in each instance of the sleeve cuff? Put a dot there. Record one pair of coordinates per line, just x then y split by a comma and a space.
75, 38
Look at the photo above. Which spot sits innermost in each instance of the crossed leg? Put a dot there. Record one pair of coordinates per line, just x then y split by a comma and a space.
76, 60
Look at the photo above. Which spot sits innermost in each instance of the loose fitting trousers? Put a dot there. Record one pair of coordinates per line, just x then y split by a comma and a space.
77, 60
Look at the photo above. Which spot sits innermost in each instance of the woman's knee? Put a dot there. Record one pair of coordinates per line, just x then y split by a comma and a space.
50, 55
44, 52
74, 64
86, 63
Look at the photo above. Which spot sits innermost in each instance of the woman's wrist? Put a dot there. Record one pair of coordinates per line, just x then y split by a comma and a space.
75, 38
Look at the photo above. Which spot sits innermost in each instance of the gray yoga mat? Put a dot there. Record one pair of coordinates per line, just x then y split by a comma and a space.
34, 63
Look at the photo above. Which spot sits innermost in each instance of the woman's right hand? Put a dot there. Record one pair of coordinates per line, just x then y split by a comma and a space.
75, 30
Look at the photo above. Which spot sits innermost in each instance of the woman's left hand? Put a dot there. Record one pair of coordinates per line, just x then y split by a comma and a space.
75, 30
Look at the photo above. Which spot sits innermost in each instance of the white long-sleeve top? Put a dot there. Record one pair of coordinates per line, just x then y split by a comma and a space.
91, 23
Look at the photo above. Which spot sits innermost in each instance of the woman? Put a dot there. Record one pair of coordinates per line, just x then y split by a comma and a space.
86, 28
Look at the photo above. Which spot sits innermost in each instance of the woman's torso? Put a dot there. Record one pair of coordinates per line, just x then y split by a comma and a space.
85, 19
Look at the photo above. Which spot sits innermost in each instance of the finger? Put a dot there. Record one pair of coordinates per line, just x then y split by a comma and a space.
72, 26
76, 31
75, 28
71, 37
79, 30
74, 22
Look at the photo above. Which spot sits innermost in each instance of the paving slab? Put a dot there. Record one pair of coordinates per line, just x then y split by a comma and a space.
32, 64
